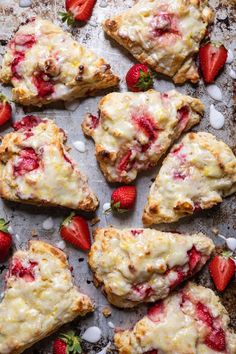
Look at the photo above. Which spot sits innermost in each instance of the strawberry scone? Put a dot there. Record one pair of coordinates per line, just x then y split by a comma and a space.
197, 174
143, 265
134, 129
39, 297
36, 168
45, 64
188, 322
164, 34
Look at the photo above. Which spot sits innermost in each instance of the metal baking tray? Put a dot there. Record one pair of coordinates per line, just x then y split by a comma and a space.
27, 220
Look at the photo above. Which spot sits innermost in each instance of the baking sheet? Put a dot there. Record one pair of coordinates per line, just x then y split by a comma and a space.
28, 220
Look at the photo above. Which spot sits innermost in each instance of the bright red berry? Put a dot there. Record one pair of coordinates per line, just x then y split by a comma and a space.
139, 78
123, 198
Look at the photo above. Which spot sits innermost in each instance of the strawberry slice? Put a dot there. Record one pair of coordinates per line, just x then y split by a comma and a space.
154, 312
203, 314
124, 164
147, 125
27, 273
216, 340
43, 84
212, 57
5, 110
28, 162
222, 269
27, 122
194, 258
77, 10
74, 230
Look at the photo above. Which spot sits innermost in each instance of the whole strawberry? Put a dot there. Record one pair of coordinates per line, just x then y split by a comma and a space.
123, 199
5, 110
222, 268
5, 240
139, 78
67, 343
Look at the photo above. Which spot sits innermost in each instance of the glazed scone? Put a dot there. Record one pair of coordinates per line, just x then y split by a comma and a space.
45, 64
198, 172
188, 322
146, 265
39, 297
164, 34
36, 168
135, 129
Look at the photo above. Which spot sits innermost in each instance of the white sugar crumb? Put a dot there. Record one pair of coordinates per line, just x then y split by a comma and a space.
25, 3
48, 224
61, 245
214, 92
106, 207
111, 324
79, 145
92, 334
104, 350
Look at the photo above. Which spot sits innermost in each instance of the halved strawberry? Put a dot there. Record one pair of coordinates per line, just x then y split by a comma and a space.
77, 10
74, 230
155, 311
222, 269
139, 78
5, 110
212, 57
5, 240
123, 198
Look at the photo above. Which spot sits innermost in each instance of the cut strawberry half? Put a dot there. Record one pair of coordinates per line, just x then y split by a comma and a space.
28, 162
77, 10
154, 313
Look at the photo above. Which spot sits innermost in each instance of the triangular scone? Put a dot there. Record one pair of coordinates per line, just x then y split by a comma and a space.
190, 321
135, 129
45, 64
36, 168
39, 297
164, 34
196, 175
146, 265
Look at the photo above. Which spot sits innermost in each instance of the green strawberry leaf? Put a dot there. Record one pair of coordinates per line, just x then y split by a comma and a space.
116, 207
72, 341
4, 225
68, 18
145, 80
67, 220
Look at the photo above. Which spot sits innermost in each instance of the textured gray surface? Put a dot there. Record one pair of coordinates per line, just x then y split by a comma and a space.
25, 219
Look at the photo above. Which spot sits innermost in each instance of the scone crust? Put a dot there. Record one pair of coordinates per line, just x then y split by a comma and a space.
78, 304
117, 132
92, 73
182, 67
53, 140
142, 269
219, 169
145, 336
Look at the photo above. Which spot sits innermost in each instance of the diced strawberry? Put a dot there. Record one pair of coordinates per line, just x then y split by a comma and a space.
136, 232
216, 340
124, 162
154, 351
28, 162
18, 270
197, 206
178, 175
147, 126
19, 57
183, 117
154, 312
194, 258
203, 314
94, 121
145, 147
163, 22
176, 150
142, 290
43, 84
27, 122
26, 40
180, 276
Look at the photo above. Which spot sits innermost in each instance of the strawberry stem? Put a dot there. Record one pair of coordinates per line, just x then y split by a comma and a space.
72, 341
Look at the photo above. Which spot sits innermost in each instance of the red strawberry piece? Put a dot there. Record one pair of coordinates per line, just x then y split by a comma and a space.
177, 149
18, 270
139, 78
165, 23
154, 312
222, 269
28, 162
216, 340
5, 240
183, 117
180, 276
203, 314
136, 232
94, 121
154, 351
75, 230
123, 198
5, 110
68, 343
19, 57
43, 84
194, 258
147, 126
178, 175
27, 122
197, 206
212, 57
77, 10
26, 40
142, 290
125, 163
